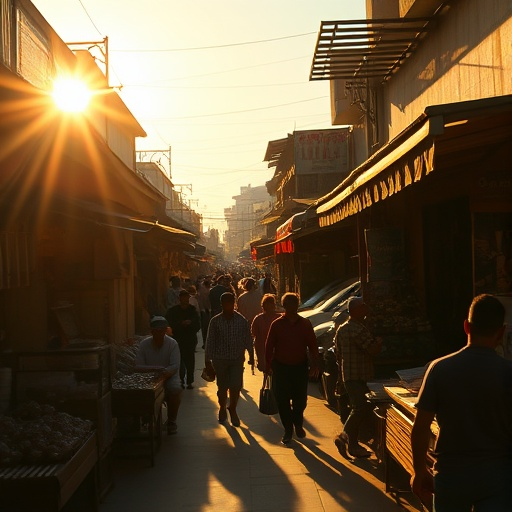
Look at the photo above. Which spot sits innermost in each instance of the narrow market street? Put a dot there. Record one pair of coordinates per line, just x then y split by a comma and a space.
211, 467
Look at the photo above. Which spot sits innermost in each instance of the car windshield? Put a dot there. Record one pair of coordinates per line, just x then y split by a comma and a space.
334, 301
318, 296
326, 293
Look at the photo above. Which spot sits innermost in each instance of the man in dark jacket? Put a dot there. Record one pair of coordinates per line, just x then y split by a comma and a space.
184, 322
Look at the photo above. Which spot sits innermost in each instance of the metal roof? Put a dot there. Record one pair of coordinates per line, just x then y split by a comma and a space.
366, 49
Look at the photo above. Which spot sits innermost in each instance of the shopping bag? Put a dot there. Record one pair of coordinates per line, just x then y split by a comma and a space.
268, 404
208, 374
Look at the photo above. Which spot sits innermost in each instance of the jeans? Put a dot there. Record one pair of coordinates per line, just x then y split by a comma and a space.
360, 412
485, 487
290, 387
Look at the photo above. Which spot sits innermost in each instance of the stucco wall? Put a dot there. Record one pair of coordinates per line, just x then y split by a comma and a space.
467, 56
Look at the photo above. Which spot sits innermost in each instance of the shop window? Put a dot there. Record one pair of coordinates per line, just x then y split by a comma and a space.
492, 252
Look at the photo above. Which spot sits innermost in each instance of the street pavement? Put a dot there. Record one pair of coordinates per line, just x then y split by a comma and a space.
209, 466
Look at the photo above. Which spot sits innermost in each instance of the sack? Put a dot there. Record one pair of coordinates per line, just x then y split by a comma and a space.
208, 374
268, 404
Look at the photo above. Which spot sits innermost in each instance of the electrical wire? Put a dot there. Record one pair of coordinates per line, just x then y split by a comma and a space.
229, 45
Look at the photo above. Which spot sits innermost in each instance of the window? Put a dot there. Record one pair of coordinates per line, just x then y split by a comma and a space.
34, 58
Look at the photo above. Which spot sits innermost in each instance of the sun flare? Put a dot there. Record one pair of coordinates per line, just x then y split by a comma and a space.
71, 94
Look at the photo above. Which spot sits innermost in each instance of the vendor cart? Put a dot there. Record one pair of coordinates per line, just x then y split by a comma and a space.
144, 405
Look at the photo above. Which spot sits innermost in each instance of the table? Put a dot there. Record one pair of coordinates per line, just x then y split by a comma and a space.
48, 487
145, 403
399, 421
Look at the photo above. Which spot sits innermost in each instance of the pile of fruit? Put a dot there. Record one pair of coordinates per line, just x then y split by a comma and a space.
38, 434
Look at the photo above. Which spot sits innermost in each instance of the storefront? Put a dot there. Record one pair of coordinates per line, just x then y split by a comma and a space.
444, 184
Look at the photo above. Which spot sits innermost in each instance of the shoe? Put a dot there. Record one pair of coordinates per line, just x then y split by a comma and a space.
223, 415
190, 386
300, 432
235, 420
287, 438
359, 452
341, 443
172, 428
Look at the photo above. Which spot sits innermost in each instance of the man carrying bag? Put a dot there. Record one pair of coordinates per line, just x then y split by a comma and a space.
268, 404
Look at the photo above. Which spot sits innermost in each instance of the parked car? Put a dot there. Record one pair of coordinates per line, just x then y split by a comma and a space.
324, 293
325, 311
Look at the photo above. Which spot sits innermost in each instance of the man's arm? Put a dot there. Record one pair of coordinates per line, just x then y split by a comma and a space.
269, 348
314, 369
422, 483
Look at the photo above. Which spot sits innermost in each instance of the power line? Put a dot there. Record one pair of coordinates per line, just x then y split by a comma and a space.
216, 46
188, 87
90, 19
250, 109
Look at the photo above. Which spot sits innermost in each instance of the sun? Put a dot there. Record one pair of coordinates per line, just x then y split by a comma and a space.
71, 94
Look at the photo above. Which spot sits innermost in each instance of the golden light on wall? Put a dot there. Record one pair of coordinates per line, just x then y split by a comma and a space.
71, 95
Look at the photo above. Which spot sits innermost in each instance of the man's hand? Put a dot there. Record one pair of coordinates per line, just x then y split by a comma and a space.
314, 371
422, 484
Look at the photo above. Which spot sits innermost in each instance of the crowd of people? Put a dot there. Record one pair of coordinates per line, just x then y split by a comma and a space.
469, 392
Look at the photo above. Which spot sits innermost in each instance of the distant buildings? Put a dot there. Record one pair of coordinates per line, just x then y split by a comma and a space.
243, 219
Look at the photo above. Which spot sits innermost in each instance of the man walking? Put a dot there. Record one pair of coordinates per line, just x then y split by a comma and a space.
355, 349
173, 292
290, 341
184, 322
469, 393
228, 338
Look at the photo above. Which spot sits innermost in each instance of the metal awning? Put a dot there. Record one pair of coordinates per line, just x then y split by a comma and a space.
275, 149
366, 49
444, 136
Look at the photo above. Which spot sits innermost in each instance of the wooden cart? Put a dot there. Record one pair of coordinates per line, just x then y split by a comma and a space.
145, 404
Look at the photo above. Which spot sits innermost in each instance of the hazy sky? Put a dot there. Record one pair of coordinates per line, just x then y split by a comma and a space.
215, 80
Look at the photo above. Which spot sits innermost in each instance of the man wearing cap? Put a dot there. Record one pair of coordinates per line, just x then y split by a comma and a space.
160, 352
184, 322
355, 349
229, 336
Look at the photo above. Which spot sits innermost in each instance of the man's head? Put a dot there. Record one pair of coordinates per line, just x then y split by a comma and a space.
227, 301
249, 284
184, 297
175, 281
485, 322
357, 308
268, 302
290, 302
158, 326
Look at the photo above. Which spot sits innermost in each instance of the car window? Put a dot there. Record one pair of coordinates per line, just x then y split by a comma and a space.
321, 295
343, 295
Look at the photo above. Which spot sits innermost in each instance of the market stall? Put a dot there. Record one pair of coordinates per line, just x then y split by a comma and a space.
45, 456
